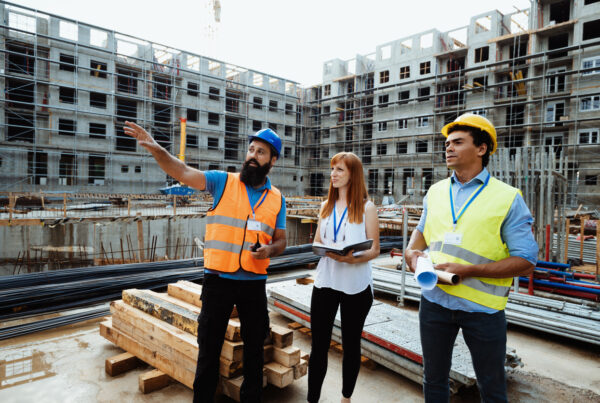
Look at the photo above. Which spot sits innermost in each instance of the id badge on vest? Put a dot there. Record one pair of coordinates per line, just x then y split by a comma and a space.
253, 225
452, 238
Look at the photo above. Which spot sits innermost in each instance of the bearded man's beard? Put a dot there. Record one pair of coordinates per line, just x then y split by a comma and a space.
254, 176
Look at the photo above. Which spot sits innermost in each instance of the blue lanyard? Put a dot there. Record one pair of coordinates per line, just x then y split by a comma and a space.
467, 204
336, 228
257, 205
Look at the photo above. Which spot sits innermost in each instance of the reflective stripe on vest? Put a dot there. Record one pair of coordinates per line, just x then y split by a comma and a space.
237, 222
228, 240
480, 227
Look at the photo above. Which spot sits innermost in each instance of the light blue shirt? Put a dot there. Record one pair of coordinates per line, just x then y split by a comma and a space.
515, 232
215, 185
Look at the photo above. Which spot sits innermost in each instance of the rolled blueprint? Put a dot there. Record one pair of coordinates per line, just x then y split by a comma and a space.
425, 273
427, 277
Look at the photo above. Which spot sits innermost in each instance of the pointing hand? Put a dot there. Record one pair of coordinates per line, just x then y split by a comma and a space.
142, 136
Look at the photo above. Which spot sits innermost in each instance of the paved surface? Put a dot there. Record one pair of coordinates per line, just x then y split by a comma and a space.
67, 365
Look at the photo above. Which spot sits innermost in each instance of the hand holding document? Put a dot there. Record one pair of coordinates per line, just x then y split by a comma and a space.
321, 249
427, 277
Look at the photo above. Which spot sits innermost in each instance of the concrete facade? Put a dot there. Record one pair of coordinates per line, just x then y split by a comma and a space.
534, 73
530, 72
70, 86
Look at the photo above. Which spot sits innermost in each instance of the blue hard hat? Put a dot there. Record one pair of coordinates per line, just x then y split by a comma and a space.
269, 137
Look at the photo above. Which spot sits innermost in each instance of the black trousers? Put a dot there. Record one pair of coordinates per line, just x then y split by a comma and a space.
219, 295
323, 308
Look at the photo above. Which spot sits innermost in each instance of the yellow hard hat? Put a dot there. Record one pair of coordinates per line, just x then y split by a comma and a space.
476, 121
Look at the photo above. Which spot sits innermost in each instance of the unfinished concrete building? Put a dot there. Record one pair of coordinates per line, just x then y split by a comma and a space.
70, 86
533, 73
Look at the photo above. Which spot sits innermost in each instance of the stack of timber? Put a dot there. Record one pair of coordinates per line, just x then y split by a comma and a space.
161, 330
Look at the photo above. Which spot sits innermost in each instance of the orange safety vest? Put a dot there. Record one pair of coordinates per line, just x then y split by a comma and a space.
228, 239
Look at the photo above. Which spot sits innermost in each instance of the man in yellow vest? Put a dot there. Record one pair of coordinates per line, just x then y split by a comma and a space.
244, 228
477, 227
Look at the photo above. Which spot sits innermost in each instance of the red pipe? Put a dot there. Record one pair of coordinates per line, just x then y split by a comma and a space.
595, 286
571, 293
587, 276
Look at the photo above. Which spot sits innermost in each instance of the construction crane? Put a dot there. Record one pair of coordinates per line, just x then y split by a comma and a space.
181, 189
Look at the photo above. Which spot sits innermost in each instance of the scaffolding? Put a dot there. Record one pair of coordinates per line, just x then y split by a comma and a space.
539, 86
70, 86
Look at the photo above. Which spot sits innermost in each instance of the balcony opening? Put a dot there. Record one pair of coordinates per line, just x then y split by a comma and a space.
19, 127
20, 59
127, 81
559, 12
126, 109
96, 169
19, 94
37, 168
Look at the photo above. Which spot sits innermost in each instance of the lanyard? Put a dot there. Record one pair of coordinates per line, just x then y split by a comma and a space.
467, 204
257, 205
336, 228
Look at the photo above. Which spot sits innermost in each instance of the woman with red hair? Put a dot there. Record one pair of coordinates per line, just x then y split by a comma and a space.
346, 217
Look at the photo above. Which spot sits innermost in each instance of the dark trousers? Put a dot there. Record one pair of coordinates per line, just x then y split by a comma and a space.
485, 335
323, 308
219, 295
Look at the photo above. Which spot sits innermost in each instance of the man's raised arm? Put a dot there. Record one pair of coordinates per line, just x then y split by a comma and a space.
167, 162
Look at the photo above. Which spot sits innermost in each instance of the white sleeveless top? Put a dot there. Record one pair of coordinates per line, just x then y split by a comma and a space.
345, 277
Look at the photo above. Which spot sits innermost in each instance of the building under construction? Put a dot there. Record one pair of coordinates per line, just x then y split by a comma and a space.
76, 192
69, 86
533, 73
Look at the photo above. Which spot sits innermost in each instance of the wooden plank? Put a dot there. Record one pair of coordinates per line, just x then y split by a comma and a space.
304, 355
300, 369
120, 363
279, 375
151, 303
367, 362
153, 380
268, 353
338, 348
233, 332
288, 356
232, 387
230, 369
166, 297
233, 350
305, 330
149, 342
304, 281
154, 329
281, 336
140, 237
191, 293
294, 325
184, 291
151, 357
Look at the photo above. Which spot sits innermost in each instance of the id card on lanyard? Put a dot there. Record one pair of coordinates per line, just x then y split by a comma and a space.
455, 238
253, 224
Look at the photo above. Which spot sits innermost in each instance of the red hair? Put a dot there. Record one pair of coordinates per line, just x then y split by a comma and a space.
357, 191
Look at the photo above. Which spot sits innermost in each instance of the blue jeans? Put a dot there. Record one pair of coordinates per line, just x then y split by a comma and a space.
485, 335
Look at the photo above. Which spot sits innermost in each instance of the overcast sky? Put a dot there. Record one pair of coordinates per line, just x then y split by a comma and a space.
290, 39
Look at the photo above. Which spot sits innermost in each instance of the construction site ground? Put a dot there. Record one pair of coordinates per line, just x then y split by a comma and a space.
68, 366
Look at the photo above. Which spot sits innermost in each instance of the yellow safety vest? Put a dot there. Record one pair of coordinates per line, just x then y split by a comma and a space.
228, 239
480, 227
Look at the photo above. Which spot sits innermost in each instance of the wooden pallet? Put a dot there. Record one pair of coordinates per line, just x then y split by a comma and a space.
161, 329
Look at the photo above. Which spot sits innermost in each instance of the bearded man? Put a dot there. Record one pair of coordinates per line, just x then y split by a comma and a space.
244, 228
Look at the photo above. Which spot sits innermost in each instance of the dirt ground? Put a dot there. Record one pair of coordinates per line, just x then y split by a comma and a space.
67, 365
